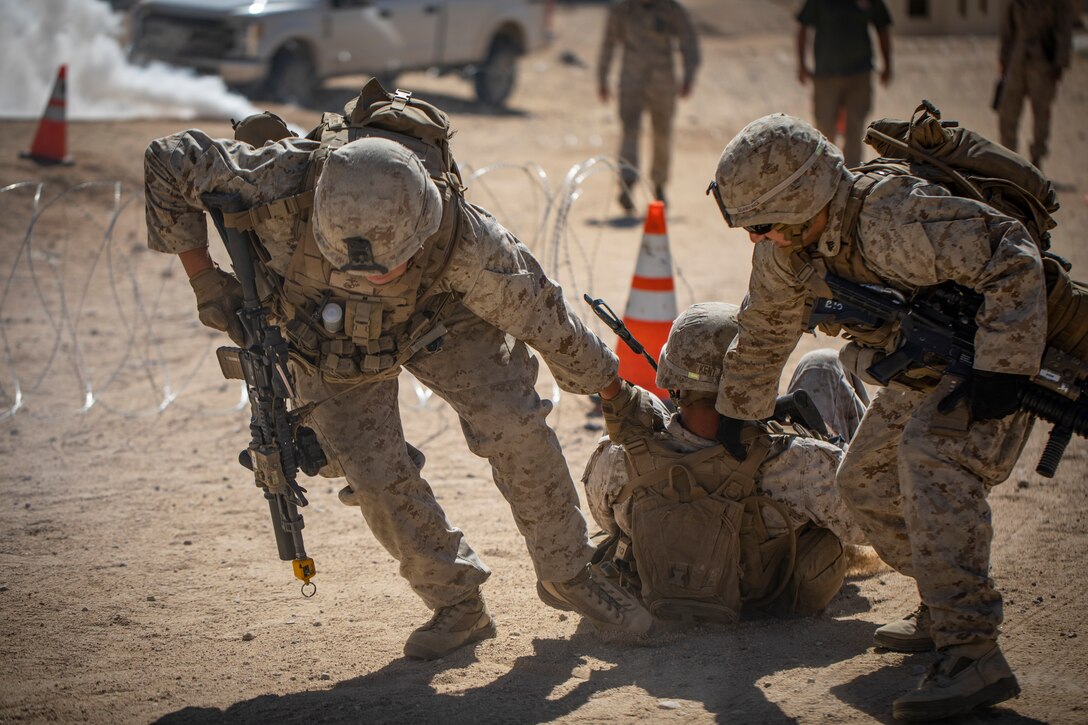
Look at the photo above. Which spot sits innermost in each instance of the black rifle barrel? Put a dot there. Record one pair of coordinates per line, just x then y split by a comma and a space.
272, 426
610, 318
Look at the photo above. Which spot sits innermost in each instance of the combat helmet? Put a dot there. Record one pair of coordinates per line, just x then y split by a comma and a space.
777, 170
374, 206
691, 360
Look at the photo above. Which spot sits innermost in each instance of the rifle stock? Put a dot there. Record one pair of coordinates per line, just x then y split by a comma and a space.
280, 446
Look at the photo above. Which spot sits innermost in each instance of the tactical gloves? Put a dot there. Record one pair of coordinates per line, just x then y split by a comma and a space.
729, 430
218, 299
990, 395
632, 413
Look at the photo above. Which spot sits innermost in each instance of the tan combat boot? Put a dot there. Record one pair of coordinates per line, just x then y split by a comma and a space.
963, 678
451, 627
912, 633
598, 600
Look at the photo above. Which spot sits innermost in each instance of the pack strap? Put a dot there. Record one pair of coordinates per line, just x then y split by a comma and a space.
969, 188
810, 270
287, 207
741, 479
661, 474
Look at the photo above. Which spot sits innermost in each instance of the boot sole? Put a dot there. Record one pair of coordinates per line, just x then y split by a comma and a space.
1004, 689
904, 645
422, 652
551, 600
556, 603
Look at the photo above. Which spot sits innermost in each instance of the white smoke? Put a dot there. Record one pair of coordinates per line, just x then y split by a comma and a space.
37, 36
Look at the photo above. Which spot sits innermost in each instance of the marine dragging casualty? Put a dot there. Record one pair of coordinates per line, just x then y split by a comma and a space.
280, 446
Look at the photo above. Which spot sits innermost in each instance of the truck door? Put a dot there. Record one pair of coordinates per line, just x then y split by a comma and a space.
372, 36
467, 28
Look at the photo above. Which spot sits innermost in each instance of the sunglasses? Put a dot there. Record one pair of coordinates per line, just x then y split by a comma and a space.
753, 229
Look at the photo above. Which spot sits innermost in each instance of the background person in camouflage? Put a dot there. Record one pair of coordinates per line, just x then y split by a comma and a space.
918, 490
1036, 44
648, 31
374, 193
842, 78
799, 473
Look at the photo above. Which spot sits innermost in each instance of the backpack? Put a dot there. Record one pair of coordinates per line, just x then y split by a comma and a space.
968, 164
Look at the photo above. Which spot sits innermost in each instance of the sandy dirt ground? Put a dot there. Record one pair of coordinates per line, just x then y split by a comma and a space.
138, 576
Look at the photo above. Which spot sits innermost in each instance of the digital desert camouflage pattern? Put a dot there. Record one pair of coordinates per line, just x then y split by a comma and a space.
778, 170
649, 34
840, 397
799, 473
912, 234
690, 359
503, 302
920, 497
1036, 45
376, 189
918, 493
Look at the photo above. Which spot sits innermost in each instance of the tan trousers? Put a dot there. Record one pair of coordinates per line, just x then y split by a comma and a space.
657, 96
920, 497
1035, 81
488, 379
853, 93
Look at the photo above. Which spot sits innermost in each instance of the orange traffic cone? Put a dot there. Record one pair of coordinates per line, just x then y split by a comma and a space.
651, 307
51, 141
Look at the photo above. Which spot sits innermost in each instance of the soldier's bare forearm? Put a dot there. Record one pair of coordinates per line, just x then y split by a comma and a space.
196, 261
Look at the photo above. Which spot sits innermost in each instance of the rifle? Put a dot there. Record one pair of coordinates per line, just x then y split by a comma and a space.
796, 408
280, 446
937, 332
615, 324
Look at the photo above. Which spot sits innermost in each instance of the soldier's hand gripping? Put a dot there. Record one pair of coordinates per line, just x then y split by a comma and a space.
729, 430
990, 395
218, 299
632, 412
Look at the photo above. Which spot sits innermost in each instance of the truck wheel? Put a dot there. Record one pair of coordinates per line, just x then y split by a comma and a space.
495, 78
292, 77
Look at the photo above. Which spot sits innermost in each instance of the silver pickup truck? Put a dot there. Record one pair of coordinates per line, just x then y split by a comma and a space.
284, 49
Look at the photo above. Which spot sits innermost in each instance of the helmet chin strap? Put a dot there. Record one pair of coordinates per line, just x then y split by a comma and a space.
795, 233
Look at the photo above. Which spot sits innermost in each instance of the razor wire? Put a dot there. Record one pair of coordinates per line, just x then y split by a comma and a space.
90, 318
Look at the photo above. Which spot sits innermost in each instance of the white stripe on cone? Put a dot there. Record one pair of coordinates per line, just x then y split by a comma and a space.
647, 306
653, 257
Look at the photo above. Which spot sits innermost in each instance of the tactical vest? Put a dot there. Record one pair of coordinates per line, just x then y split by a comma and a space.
383, 327
968, 165
702, 544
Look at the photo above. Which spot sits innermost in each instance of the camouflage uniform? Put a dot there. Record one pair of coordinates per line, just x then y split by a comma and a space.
1036, 41
502, 301
647, 31
920, 496
799, 473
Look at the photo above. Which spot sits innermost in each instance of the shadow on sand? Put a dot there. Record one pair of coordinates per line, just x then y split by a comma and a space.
720, 668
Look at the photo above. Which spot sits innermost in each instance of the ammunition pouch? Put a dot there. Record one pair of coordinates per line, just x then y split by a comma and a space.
818, 573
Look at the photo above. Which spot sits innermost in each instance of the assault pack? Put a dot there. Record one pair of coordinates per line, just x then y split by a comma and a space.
381, 329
